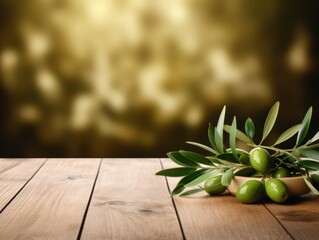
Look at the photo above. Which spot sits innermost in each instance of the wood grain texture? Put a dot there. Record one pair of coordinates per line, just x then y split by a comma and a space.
299, 216
14, 174
223, 217
130, 202
53, 203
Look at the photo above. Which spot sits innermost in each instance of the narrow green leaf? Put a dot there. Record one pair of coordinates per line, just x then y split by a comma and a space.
238, 150
288, 134
219, 142
310, 164
250, 128
227, 177
229, 164
232, 138
310, 185
214, 159
190, 192
316, 145
244, 158
304, 127
246, 171
178, 189
192, 176
293, 157
203, 178
176, 172
270, 120
315, 138
239, 134
211, 136
228, 157
196, 157
220, 123
310, 153
179, 159
209, 149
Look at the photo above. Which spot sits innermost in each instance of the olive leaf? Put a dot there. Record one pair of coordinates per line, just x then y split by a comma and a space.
176, 172
245, 171
220, 123
244, 158
196, 157
239, 151
179, 159
229, 164
219, 142
292, 157
203, 178
209, 149
311, 146
181, 184
304, 127
227, 177
270, 120
214, 159
310, 153
250, 128
178, 189
315, 138
232, 138
193, 176
287, 134
229, 157
239, 134
309, 164
211, 136
190, 192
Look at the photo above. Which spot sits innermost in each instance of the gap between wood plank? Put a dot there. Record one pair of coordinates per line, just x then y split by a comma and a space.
5, 206
89, 202
173, 201
279, 222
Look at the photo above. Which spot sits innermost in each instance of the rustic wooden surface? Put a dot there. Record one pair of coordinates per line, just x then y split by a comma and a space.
123, 199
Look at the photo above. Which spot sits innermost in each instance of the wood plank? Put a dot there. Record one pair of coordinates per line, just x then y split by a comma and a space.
299, 216
130, 202
14, 174
223, 217
53, 203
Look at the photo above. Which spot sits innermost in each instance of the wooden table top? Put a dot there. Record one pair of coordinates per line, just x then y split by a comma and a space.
123, 199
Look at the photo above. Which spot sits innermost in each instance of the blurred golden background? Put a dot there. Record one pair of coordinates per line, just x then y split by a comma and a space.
137, 78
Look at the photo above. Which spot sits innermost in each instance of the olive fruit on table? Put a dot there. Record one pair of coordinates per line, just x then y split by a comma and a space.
276, 190
251, 191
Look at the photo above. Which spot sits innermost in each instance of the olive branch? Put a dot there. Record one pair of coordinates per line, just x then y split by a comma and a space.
195, 168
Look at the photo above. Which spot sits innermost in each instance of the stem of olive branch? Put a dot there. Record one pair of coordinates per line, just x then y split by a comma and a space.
285, 150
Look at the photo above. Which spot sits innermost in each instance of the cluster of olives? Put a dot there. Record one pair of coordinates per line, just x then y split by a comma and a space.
253, 191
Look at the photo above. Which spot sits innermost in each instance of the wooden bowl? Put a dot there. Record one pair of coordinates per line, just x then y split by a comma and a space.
296, 185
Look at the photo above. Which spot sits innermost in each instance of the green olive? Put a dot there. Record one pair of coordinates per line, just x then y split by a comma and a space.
282, 173
251, 191
213, 186
276, 190
315, 180
260, 160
